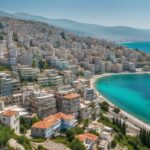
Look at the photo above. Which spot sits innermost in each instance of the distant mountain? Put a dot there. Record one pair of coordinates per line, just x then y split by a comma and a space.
116, 33
4, 14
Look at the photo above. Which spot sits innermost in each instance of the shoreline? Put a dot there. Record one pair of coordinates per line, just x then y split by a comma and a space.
131, 118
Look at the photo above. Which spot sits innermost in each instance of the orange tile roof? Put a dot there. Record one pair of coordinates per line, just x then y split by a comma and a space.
9, 113
84, 136
61, 115
52, 119
71, 96
44, 124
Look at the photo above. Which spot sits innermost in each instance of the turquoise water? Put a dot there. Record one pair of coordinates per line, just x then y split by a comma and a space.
143, 46
130, 92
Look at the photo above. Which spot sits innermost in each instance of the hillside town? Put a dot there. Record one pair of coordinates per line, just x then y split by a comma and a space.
46, 91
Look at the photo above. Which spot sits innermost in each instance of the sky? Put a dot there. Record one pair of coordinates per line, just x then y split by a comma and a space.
133, 13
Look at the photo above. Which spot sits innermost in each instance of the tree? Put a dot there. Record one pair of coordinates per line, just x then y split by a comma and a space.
124, 128
25, 142
116, 110
70, 134
78, 130
113, 143
40, 147
77, 145
5, 134
33, 63
145, 137
86, 122
34, 120
104, 106
63, 35
94, 132
41, 64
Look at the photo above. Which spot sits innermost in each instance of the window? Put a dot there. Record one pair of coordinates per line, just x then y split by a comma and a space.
3, 119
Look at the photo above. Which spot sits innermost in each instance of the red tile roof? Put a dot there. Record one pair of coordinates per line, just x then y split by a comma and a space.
52, 119
84, 136
72, 96
9, 113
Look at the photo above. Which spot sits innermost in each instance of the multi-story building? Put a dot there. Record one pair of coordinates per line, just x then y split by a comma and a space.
102, 66
59, 64
119, 67
42, 103
56, 80
14, 99
89, 94
132, 66
108, 66
68, 103
87, 74
25, 59
12, 56
8, 85
25, 72
85, 111
69, 76
104, 145
52, 125
11, 118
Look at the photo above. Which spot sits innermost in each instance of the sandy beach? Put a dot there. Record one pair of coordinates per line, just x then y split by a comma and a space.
131, 119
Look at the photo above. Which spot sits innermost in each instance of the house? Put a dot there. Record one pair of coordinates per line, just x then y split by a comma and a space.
52, 125
88, 139
11, 118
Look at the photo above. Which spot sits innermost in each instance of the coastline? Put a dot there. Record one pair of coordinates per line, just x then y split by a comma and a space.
131, 119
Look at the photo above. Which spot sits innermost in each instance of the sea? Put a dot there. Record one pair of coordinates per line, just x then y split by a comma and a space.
130, 92
142, 46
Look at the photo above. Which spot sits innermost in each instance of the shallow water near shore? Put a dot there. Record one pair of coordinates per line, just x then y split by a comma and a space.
130, 92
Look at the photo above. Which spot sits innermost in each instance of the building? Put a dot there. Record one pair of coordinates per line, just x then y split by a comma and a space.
102, 66
88, 139
87, 74
85, 112
146, 68
11, 118
119, 68
68, 103
108, 66
52, 125
103, 145
14, 99
25, 59
96, 126
25, 72
56, 80
8, 85
132, 67
89, 94
42, 103
59, 64
12, 56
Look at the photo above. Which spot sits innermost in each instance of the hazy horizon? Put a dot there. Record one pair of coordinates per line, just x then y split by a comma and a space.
130, 13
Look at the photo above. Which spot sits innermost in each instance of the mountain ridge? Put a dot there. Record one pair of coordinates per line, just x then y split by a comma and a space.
112, 33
